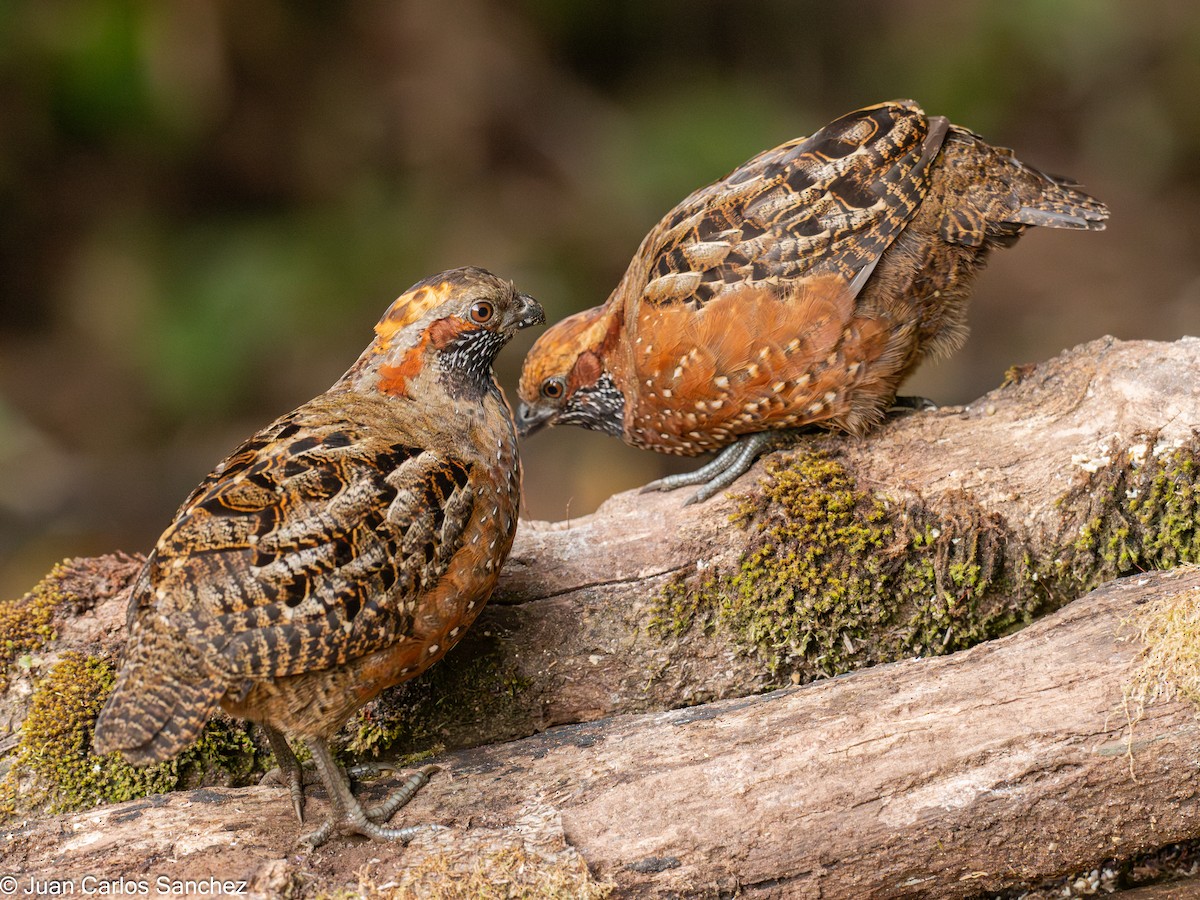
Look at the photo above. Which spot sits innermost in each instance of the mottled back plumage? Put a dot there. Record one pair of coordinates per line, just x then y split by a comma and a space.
342, 549
801, 288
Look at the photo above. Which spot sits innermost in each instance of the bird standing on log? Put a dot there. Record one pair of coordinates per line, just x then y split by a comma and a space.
341, 550
801, 289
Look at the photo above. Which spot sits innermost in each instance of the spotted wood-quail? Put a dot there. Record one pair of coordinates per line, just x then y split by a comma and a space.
800, 289
339, 551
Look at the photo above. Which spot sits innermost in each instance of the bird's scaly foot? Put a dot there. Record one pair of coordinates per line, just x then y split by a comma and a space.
729, 465
347, 812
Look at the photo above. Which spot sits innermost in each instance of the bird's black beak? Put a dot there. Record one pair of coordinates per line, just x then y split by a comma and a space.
530, 312
531, 419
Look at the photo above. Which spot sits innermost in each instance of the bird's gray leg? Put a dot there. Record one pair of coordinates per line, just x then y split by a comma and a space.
288, 770
731, 463
698, 476
344, 806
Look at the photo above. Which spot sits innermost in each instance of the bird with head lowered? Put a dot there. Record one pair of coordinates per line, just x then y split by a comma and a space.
800, 290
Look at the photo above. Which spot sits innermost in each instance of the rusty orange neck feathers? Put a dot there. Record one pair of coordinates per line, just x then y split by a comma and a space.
398, 354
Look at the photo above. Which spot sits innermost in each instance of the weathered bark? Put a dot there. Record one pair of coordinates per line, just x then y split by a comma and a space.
1003, 765
997, 766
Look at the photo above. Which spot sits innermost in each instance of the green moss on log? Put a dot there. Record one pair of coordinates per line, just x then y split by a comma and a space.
1137, 508
835, 578
27, 623
54, 768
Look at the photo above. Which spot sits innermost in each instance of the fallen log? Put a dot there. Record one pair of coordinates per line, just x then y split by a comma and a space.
1004, 766
936, 532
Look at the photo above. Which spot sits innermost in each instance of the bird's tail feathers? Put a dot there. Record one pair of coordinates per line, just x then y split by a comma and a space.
153, 715
1007, 196
1058, 203
1035, 198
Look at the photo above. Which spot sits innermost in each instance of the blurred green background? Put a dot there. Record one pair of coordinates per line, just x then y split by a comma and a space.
206, 204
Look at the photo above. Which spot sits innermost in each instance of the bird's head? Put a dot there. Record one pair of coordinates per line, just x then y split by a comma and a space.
567, 378
452, 324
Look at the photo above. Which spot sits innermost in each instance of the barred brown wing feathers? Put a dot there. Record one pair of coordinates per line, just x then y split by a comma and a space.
433, 505
828, 204
245, 455
313, 555
174, 543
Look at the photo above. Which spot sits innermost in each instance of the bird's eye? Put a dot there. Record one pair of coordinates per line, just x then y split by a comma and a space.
482, 311
552, 388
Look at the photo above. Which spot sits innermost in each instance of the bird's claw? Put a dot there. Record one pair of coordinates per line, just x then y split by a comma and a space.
911, 404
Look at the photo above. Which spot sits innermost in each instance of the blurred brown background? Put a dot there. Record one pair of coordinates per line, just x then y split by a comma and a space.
206, 204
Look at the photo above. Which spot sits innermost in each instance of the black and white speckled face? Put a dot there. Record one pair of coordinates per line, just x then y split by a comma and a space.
466, 361
489, 312
599, 406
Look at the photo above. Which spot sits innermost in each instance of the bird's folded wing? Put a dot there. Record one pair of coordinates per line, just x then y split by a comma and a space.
829, 204
308, 547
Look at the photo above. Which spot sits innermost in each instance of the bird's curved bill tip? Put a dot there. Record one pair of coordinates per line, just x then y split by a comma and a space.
531, 312
530, 420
